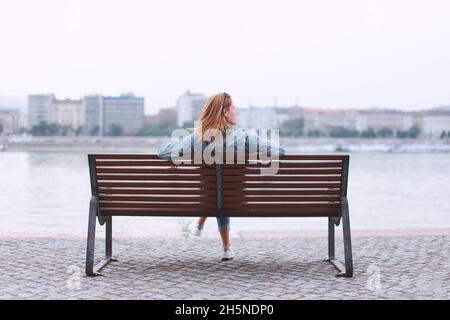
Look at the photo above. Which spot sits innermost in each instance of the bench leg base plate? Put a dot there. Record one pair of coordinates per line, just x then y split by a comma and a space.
342, 272
99, 266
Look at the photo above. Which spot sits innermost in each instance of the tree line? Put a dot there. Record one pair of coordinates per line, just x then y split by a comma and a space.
296, 128
290, 128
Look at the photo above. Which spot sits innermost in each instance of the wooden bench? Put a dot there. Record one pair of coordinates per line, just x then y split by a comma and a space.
145, 185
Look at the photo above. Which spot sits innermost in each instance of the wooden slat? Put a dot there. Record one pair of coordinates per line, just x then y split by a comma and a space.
125, 156
158, 198
312, 157
211, 213
165, 163
282, 171
279, 207
156, 191
276, 185
156, 177
156, 212
149, 163
198, 206
280, 178
161, 184
276, 213
318, 165
265, 192
199, 171
282, 164
244, 199
154, 156
289, 157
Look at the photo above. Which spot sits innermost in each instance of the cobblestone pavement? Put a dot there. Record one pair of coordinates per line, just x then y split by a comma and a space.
406, 267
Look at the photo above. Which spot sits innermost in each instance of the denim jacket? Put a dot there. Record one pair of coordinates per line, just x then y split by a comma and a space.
241, 139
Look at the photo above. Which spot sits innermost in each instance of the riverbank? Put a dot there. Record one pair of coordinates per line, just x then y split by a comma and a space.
301, 144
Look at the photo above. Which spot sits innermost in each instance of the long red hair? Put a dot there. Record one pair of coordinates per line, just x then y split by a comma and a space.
212, 116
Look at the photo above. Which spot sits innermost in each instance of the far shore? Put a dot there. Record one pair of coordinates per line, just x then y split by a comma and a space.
300, 144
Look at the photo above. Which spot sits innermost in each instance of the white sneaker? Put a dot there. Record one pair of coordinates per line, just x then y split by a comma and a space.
227, 254
196, 231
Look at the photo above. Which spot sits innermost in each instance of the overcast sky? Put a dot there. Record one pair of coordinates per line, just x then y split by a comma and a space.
331, 54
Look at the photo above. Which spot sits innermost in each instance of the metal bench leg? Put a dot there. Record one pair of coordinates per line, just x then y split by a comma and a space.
331, 247
347, 239
93, 207
91, 270
331, 253
346, 271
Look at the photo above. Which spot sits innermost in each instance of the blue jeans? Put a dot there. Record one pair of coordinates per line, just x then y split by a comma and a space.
223, 223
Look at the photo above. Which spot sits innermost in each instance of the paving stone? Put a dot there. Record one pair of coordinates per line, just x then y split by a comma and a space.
407, 267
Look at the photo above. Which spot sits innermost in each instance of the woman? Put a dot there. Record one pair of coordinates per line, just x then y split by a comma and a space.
219, 114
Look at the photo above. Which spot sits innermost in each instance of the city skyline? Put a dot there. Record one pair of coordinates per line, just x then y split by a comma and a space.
21, 104
321, 54
124, 115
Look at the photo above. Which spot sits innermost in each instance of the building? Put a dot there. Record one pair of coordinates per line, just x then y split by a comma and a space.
379, 119
164, 115
100, 113
126, 111
39, 108
295, 111
46, 108
325, 119
281, 115
67, 113
93, 115
189, 107
261, 117
9, 121
360, 120
433, 123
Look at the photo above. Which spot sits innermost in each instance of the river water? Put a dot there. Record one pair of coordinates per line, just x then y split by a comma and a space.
49, 192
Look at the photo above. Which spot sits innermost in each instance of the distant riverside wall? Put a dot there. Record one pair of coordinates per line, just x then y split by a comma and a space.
84, 143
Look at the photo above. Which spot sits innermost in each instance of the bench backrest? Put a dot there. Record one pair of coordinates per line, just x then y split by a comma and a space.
143, 184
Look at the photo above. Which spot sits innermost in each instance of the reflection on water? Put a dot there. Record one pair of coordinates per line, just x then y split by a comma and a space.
49, 192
